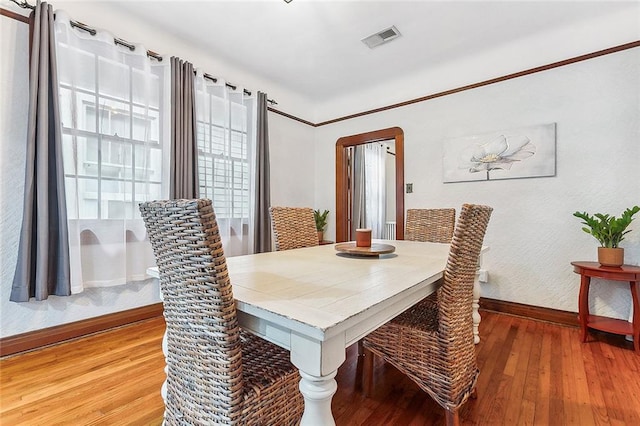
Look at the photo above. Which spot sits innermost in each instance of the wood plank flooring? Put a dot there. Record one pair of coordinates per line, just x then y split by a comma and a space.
532, 373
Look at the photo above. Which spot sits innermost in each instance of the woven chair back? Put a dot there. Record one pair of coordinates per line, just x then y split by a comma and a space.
430, 225
455, 296
293, 227
204, 357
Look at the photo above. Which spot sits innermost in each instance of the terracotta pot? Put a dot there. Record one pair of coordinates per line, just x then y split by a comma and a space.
320, 236
610, 256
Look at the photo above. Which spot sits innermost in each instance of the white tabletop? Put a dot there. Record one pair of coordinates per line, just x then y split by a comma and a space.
323, 291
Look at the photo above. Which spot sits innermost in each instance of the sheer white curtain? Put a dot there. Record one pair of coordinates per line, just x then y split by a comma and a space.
226, 134
375, 188
113, 107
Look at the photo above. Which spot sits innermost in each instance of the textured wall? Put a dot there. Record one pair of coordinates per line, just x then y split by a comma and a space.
292, 162
533, 235
13, 112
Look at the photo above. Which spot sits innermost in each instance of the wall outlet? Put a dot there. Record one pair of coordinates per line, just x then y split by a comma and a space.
409, 188
483, 275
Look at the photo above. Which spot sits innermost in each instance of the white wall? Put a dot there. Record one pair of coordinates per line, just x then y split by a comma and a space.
291, 170
291, 146
532, 234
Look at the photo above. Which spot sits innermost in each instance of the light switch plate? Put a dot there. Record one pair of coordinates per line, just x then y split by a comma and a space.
409, 188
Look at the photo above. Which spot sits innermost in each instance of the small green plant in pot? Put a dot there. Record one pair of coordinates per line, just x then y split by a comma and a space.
609, 231
321, 222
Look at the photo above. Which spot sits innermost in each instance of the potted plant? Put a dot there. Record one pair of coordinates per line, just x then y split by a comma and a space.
609, 231
321, 222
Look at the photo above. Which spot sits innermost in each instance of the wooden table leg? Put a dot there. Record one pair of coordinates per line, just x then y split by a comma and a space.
583, 305
635, 297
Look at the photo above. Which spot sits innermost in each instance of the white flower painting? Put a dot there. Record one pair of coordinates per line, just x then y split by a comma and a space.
508, 154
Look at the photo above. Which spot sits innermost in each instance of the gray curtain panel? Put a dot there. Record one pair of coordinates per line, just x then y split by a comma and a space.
359, 213
184, 146
43, 253
262, 221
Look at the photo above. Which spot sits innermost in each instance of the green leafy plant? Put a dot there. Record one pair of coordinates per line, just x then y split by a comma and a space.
321, 219
608, 230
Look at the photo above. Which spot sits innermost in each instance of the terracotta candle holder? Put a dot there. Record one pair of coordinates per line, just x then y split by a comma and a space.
363, 237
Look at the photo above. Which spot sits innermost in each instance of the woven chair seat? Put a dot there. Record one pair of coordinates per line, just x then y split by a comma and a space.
270, 384
410, 342
422, 316
432, 342
216, 372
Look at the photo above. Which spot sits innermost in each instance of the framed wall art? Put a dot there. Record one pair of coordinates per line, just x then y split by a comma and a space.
522, 152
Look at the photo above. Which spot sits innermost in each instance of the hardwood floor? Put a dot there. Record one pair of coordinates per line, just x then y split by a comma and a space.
532, 373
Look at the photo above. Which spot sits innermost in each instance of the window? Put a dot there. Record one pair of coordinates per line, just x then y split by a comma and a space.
112, 151
223, 163
113, 103
226, 142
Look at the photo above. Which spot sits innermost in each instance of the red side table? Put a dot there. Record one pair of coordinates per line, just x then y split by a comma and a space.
629, 273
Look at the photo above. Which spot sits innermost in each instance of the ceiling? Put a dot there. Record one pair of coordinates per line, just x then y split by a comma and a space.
314, 48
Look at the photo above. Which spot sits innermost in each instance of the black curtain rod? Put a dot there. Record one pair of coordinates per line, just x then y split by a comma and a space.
92, 31
233, 87
116, 40
229, 85
23, 4
388, 150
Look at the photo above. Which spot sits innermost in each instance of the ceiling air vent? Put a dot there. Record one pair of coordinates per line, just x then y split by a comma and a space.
381, 37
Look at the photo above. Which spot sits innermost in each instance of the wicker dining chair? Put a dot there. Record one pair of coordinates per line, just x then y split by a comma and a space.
293, 227
430, 225
216, 372
433, 344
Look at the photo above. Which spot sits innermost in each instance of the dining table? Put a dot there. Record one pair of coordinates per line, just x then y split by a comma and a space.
317, 301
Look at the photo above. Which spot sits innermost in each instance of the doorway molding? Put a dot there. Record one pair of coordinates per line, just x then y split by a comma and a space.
342, 177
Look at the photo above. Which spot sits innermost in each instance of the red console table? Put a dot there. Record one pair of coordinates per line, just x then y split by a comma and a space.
629, 273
